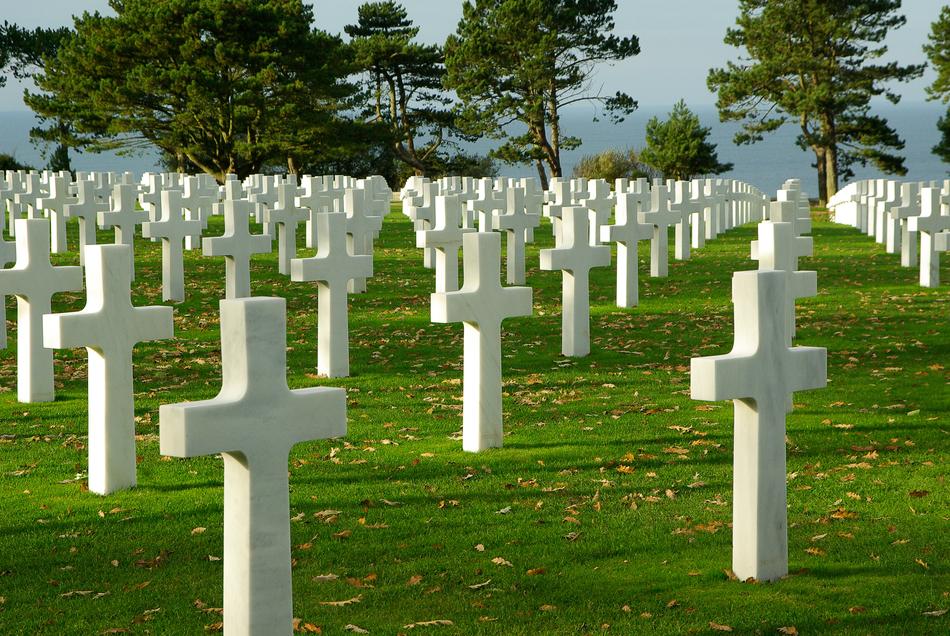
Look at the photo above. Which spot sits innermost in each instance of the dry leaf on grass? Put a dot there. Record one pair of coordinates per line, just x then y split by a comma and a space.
501, 561
439, 622
478, 586
719, 628
349, 601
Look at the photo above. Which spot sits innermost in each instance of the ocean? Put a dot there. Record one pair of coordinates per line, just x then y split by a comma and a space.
765, 164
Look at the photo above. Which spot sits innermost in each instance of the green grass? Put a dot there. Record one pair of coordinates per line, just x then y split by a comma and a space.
617, 486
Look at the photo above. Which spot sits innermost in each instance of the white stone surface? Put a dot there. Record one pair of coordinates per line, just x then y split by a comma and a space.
681, 209
929, 224
487, 204
254, 422
759, 375
599, 202
54, 204
198, 198
237, 244
481, 304
446, 238
123, 217
661, 218
33, 280
575, 256
777, 251
516, 223
332, 268
361, 229
284, 216
109, 327
172, 230
86, 208
626, 232
7, 256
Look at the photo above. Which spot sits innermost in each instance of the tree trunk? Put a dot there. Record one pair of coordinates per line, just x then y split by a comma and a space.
831, 173
821, 163
542, 174
555, 155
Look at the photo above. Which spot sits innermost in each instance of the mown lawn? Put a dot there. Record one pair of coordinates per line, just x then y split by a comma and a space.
607, 511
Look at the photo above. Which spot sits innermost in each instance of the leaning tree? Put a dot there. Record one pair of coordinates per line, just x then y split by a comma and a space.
938, 52
516, 64
815, 64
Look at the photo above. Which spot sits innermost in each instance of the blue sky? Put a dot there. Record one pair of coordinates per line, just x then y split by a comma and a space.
680, 40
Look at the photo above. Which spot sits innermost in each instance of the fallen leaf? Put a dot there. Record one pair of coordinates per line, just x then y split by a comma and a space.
439, 622
343, 534
548, 608
536, 571
502, 561
198, 530
719, 628
479, 547
857, 609
936, 613
922, 564
349, 601
479, 586
919, 493
415, 579
790, 630
356, 629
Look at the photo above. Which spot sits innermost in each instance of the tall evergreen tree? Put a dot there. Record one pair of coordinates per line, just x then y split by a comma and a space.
224, 85
938, 52
679, 147
524, 61
403, 82
812, 63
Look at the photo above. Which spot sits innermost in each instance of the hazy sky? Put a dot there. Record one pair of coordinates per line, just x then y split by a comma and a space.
679, 40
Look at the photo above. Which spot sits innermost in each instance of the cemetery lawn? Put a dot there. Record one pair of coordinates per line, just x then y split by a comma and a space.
607, 511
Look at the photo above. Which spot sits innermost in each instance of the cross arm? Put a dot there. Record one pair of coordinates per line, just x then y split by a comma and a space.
715, 378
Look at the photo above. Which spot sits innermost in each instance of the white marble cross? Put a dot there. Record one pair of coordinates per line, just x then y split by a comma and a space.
55, 204
123, 217
33, 280
7, 256
332, 268
778, 250
487, 203
237, 244
86, 209
481, 304
899, 235
516, 222
575, 256
600, 204
446, 239
319, 197
361, 229
151, 197
266, 197
561, 197
681, 208
660, 217
419, 206
283, 217
198, 197
759, 375
172, 229
627, 232
929, 224
784, 212
254, 422
109, 327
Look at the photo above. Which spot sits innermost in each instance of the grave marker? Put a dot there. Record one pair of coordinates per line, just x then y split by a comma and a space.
481, 304
237, 244
109, 327
172, 229
254, 422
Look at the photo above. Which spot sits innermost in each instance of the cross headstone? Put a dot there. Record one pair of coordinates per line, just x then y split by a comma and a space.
600, 203
929, 225
777, 250
55, 204
151, 197
319, 197
487, 203
627, 232
7, 256
899, 235
759, 375
515, 223
86, 209
700, 206
332, 268
172, 229
575, 256
446, 238
361, 229
198, 198
33, 280
266, 197
237, 244
123, 217
109, 327
419, 206
254, 422
481, 305
283, 217
681, 211
660, 217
